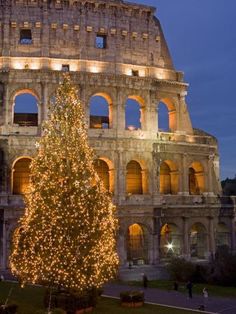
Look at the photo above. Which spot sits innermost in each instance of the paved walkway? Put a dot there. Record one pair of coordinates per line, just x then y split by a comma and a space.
177, 299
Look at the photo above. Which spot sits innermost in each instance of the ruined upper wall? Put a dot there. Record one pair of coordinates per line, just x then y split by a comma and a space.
68, 29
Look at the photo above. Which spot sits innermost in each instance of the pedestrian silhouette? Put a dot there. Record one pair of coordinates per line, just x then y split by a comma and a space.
189, 287
145, 281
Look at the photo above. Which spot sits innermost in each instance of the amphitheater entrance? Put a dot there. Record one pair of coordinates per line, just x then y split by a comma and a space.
198, 241
137, 245
222, 236
170, 241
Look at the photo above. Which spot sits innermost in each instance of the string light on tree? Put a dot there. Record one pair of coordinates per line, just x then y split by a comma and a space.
67, 235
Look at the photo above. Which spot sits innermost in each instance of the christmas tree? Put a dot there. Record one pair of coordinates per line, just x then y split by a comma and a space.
66, 237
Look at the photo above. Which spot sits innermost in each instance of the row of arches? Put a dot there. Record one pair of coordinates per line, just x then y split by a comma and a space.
26, 111
171, 241
136, 177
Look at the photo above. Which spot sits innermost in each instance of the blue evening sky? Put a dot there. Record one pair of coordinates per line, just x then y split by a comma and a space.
201, 35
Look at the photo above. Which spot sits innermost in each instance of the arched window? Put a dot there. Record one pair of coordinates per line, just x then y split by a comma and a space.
163, 118
169, 178
166, 113
100, 112
222, 235
102, 170
170, 240
134, 178
25, 110
165, 179
134, 113
198, 241
21, 176
137, 247
196, 179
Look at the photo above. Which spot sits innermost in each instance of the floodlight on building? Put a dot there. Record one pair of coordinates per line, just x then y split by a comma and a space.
170, 246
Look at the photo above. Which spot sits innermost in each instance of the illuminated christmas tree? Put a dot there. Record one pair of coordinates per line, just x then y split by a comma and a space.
67, 235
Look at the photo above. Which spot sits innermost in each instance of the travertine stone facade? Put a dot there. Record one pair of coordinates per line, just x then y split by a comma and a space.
116, 50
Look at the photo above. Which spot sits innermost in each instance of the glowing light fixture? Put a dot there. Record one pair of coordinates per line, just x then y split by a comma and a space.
170, 246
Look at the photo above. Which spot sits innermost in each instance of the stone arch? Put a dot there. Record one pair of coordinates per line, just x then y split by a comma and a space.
136, 177
170, 240
134, 112
196, 178
137, 244
25, 108
100, 111
169, 177
21, 175
171, 114
198, 241
222, 235
105, 170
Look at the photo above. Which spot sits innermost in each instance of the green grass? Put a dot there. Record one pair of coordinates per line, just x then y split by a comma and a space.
30, 300
214, 290
114, 307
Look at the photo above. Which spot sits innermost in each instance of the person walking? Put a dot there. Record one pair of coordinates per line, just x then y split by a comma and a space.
205, 295
189, 287
176, 286
145, 281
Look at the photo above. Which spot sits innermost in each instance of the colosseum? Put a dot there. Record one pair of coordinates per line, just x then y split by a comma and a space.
164, 177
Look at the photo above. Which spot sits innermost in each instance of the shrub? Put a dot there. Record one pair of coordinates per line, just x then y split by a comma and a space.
180, 269
222, 269
58, 311
132, 296
8, 309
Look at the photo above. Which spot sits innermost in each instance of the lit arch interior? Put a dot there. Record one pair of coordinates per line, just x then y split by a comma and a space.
196, 179
21, 176
170, 240
198, 241
100, 108
25, 108
134, 179
169, 178
222, 235
105, 171
136, 244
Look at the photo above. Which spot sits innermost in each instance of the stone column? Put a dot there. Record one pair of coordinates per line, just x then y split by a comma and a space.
6, 30
186, 242
8, 107
44, 103
210, 174
113, 116
233, 239
120, 189
121, 248
120, 103
211, 235
183, 178
155, 249
151, 118
4, 245
45, 33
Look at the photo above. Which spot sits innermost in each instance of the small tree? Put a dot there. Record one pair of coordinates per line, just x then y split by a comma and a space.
67, 234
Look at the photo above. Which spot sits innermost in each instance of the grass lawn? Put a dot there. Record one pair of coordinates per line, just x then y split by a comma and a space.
197, 288
113, 306
30, 300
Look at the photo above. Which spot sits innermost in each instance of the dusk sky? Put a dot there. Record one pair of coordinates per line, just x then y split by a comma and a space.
201, 35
